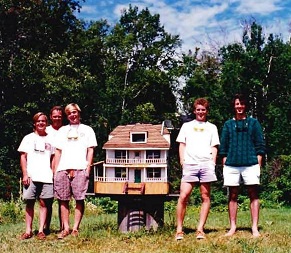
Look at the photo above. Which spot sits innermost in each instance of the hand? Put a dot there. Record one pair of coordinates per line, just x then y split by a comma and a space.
26, 181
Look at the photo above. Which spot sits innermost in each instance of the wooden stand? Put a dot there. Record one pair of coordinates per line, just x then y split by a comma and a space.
137, 212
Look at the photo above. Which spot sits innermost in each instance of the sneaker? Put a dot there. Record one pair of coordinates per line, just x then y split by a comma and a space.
63, 234
75, 233
200, 235
179, 236
41, 236
25, 236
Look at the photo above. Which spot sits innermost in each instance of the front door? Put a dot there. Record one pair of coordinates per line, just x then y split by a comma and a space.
137, 176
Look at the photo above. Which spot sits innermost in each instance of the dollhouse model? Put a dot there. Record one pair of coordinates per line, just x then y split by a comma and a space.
136, 161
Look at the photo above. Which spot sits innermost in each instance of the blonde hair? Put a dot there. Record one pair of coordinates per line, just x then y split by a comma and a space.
71, 107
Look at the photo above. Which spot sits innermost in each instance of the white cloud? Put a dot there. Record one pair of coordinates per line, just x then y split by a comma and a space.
263, 7
206, 23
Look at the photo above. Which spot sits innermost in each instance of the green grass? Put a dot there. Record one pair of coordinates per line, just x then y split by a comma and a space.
99, 233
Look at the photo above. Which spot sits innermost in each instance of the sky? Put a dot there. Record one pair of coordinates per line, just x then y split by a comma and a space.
207, 24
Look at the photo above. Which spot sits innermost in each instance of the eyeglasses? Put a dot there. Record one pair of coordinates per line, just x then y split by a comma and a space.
198, 129
72, 134
39, 147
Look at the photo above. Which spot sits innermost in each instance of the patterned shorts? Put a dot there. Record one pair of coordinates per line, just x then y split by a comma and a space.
68, 183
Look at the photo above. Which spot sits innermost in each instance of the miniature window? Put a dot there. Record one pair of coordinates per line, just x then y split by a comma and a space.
120, 154
151, 154
154, 172
120, 172
138, 137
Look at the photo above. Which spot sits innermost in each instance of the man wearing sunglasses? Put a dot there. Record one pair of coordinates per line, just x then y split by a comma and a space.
242, 147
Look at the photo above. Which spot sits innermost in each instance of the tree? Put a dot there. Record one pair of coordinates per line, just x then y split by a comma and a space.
141, 58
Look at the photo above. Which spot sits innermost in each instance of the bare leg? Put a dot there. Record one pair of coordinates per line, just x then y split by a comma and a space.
49, 206
255, 208
185, 191
79, 212
232, 209
42, 214
65, 212
205, 206
29, 214
60, 216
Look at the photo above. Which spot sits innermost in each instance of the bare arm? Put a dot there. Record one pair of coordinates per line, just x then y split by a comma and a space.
214, 151
89, 158
56, 160
260, 158
23, 164
182, 148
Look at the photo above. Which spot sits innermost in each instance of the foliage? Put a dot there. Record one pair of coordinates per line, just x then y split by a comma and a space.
105, 204
276, 180
10, 211
131, 72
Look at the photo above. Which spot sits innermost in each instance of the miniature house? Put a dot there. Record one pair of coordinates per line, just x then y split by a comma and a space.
136, 161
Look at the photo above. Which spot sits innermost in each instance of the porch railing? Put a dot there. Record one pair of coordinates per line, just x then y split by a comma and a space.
136, 161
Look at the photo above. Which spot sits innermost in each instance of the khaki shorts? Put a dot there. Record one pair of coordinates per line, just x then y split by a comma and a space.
248, 175
68, 183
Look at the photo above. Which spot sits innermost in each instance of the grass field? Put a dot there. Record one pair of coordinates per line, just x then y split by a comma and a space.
99, 233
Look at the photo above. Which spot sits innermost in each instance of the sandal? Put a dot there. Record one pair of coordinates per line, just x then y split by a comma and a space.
75, 233
200, 235
25, 236
179, 236
63, 234
41, 236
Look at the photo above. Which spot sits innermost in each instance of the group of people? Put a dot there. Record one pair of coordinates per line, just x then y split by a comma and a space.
241, 146
56, 162
65, 154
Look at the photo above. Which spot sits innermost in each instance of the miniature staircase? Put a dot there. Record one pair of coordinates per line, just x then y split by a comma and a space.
134, 188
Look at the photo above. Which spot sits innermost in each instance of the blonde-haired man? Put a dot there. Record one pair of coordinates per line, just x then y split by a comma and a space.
73, 158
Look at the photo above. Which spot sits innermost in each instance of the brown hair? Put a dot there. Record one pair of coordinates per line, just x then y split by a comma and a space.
242, 100
56, 108
201, 101
36, 117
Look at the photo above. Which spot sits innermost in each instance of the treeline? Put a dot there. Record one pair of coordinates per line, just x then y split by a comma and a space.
130, 72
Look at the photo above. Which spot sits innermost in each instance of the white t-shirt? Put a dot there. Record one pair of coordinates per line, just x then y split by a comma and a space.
39, 150
199, 138
52, 133
73, 141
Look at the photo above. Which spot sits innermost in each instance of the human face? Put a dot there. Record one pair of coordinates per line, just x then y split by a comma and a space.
201, 112
74, 117
40, 125
239, 109
56, 118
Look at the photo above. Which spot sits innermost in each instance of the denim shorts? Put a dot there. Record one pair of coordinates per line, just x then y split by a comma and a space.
248, 175
204, 172
68, 183
37, 190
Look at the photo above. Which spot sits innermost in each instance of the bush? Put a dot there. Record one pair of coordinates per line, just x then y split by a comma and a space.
11, 212
105, 204
276, 183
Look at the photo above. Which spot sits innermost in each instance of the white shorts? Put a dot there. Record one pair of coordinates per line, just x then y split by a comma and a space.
248, 175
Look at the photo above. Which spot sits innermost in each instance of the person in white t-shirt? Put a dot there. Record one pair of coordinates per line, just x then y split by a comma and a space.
198, 146
36, 153
73, 158
56, 117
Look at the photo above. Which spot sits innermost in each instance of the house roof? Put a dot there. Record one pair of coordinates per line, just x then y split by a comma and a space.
119, 138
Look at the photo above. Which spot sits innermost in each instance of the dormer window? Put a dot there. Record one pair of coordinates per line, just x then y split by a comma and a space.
140, 137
